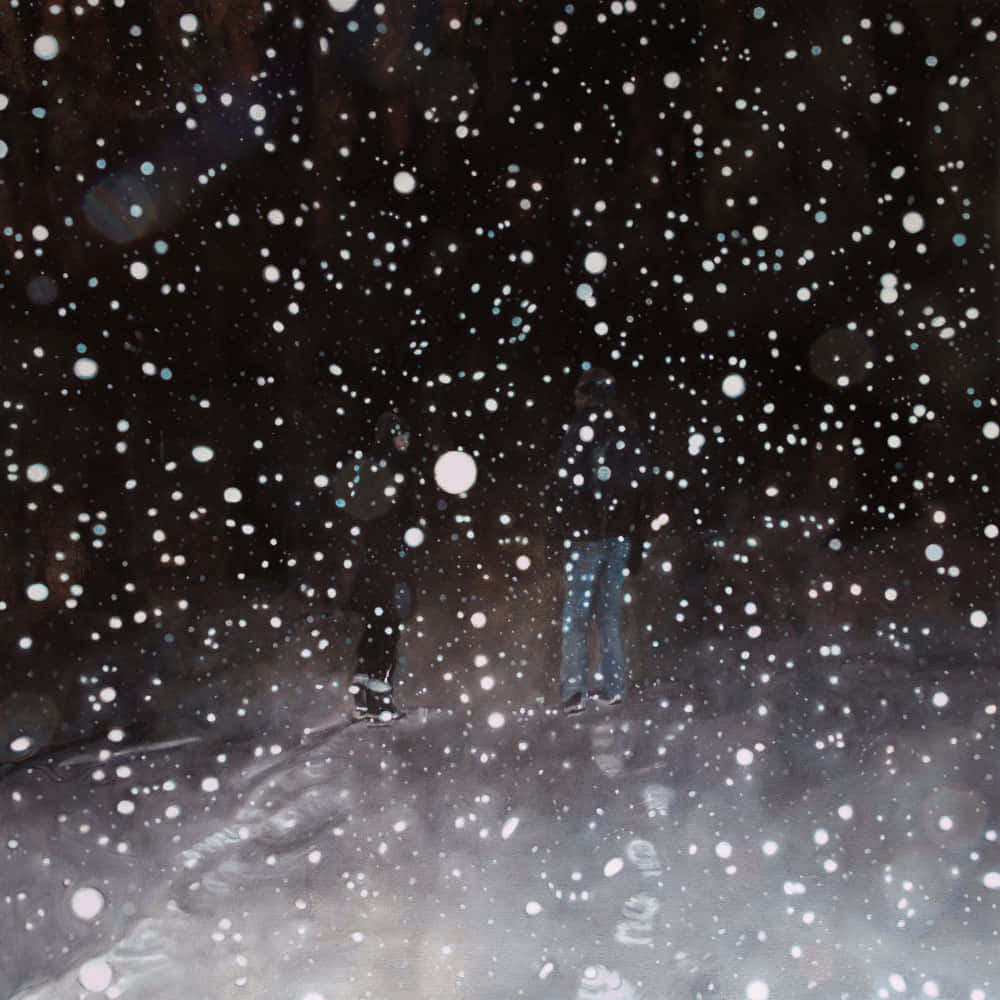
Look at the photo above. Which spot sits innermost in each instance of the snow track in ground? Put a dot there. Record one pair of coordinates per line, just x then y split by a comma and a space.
641, 852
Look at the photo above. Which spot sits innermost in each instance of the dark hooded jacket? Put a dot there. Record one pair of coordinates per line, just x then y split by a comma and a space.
600, 483
381, 497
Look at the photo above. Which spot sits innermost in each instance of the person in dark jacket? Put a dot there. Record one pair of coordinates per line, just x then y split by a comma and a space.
597, 500
382, 499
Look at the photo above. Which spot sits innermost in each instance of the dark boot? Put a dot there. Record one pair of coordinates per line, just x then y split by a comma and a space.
381, 707
362, 696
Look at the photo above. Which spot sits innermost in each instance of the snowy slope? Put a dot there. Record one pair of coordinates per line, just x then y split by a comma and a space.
646, 851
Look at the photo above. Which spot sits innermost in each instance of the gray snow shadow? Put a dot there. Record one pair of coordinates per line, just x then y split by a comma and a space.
626, 853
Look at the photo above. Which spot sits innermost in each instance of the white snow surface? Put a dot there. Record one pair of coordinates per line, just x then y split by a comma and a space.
623, 853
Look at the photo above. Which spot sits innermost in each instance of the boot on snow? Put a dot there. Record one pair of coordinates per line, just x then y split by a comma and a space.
362, 697
381, 707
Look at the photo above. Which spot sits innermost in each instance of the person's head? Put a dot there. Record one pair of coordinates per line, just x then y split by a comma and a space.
392, 430
595, 388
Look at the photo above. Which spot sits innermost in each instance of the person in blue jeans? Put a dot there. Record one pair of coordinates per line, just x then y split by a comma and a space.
596, 511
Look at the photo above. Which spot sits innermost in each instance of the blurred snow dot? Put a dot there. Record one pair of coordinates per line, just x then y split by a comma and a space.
258, 112
523, 562
37, 592
672, 80
613, 867
897, 982
978, 619
992, 880
734, 386
933, 552
40, 234
586, 433
496, 720
314, 996
87, 903
189, 23
846, 811
821, 838
491, 405
584, 292
210, 785
990, 531
533, 909
724, 849
891, 594
25, 642
38, 473
913, 222
96, 975
757, 990
138, 270
477, 620
595, 262
455, 472
85, 368
940, 699
342, 6
202, 453
769, 847
510, 825
46, 47
126, 807
116, 735
321, 481
272, 274
803, 294
991, 430
276, 217
744, 757
413, 537
488, 682
404, 182
895, 441
108, 695
232, 495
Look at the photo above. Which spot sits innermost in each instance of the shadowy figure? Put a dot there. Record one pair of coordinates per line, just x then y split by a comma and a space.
597, 508
382, 500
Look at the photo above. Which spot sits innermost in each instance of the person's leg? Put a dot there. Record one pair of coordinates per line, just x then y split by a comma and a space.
385, 660
609, 587
580, 572
372, 683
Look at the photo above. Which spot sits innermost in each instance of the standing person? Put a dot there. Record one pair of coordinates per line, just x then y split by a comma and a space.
381, 496
596, 509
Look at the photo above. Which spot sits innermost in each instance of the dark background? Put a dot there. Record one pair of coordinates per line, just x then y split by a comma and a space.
748, 215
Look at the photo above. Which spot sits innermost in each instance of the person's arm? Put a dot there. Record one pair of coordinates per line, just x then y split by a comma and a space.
554, 500
640, 520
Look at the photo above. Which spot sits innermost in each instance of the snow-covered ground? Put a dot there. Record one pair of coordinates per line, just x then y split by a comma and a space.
784, 848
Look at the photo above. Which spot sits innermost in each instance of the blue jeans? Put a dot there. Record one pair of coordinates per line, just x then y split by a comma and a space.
595, 578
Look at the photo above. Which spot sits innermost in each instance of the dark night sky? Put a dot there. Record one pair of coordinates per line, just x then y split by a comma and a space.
795, 213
